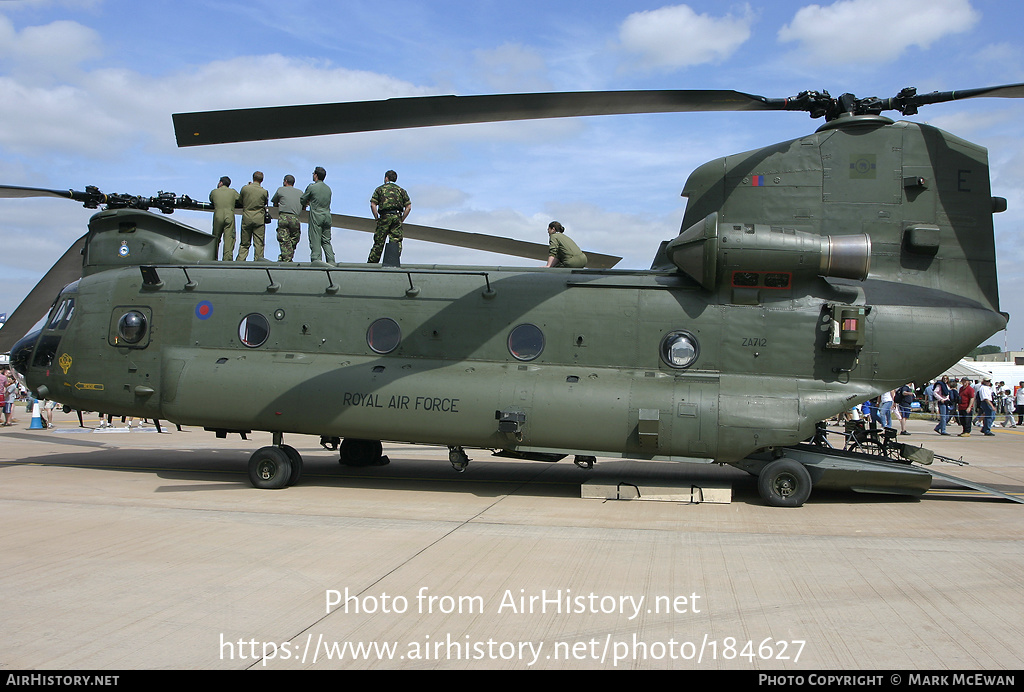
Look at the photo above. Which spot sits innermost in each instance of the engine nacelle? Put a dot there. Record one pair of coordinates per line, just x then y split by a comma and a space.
765, 256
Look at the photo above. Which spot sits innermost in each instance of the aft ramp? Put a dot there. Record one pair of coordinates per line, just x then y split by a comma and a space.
976, 486
868, 473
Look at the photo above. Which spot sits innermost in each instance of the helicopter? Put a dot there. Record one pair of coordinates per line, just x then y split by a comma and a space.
800, 273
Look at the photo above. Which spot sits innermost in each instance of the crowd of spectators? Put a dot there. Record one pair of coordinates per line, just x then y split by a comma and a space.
969, 403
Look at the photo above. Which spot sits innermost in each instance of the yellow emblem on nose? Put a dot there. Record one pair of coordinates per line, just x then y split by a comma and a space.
64, 362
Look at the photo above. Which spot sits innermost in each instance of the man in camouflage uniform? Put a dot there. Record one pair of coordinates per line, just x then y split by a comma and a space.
223, 200
390, 206
288, 201
254, 210
318, 197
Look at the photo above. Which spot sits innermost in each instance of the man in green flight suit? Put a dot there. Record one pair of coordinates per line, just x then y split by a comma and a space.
562, 251
223, 199
288, 201
318, 197
390, 206
254, 209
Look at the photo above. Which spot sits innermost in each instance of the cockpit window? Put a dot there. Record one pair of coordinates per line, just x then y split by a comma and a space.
46, 351
62, 314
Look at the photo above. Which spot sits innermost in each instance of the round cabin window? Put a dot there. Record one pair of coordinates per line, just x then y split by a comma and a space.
525, 342
679, 349
253, 330
384, 335
131, 328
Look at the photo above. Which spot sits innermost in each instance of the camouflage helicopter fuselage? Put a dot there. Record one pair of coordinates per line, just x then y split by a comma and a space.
807, 277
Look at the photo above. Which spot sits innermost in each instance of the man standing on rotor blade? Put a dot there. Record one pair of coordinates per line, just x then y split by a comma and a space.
288, 202
224, 198
254, 209
318, 197
390, 206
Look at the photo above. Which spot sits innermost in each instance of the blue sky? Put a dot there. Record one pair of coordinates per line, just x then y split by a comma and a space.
89, 87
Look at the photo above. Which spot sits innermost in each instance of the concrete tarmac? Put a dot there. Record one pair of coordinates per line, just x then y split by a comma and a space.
140, 550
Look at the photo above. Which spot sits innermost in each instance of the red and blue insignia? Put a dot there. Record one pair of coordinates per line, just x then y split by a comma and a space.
757, 181
204, 310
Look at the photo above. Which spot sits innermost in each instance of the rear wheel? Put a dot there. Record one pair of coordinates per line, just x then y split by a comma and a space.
784, 483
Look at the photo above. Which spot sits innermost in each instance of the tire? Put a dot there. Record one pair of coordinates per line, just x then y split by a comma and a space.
270, 468
784, 483
296, 459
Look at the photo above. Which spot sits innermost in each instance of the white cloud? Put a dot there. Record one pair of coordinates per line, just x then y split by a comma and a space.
54, 50
63, 118
109, 111
675, 36
874, 31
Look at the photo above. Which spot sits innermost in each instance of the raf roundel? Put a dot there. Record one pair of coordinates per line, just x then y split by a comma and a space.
204, 310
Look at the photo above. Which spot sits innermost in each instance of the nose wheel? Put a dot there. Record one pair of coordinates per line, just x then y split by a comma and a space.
271, 468
276, 466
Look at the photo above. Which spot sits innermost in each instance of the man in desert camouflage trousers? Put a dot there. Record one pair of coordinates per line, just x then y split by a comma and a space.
288, 201
390, 206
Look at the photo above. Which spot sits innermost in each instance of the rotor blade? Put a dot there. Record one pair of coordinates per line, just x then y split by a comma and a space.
1007, 91
279, 122
473, 241
66, 270
16, 192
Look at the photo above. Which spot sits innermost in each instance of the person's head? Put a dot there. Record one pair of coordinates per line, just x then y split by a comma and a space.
391, 177
224, 181
555, 227
319, 173
257, 177
289, 180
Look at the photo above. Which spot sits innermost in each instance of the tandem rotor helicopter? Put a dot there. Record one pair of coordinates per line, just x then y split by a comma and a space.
799, 273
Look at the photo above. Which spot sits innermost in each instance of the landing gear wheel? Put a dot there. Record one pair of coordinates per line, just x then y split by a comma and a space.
356, 452
296, 459
458, 458
784, 483
270, 468
585, 462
